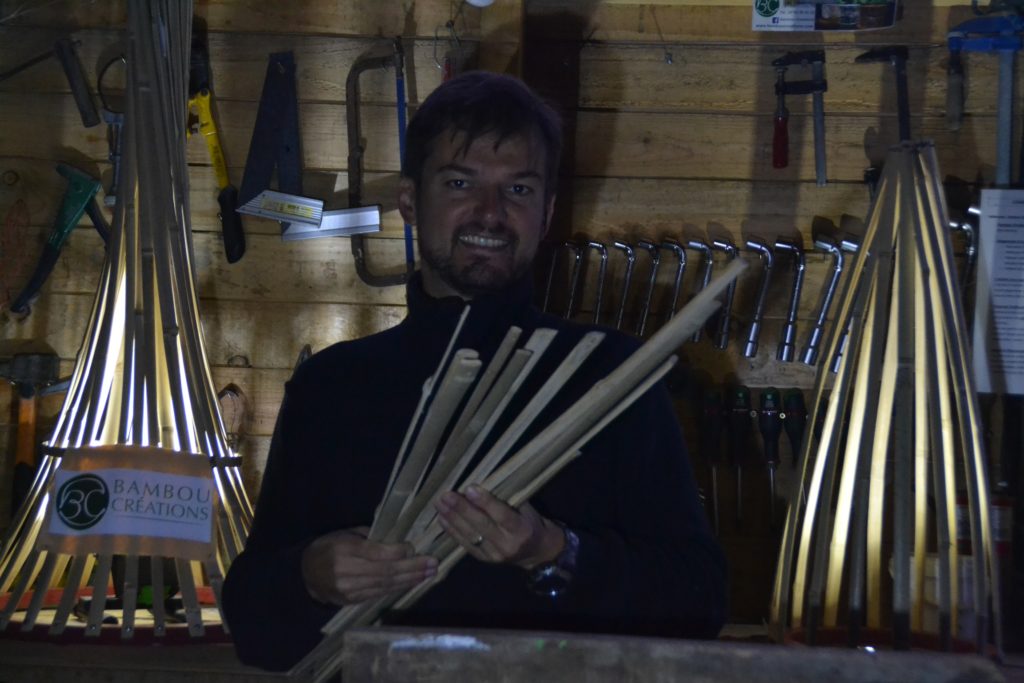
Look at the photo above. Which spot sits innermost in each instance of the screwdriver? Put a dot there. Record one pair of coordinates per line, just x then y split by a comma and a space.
795, 420
740, 430
770, 422
710, 442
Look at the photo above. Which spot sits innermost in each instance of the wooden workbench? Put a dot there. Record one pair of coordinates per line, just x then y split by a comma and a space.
383, 655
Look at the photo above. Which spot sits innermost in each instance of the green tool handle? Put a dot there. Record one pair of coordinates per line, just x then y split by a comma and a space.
80, 193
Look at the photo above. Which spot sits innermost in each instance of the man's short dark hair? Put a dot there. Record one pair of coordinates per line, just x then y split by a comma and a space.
479, 103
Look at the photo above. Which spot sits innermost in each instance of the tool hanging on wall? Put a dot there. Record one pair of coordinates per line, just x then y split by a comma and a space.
815, 87
574, 278
29, 366
769, 421
767, 257
809, 356
78, 196
652, 281
602, 270
794, 420
200, 103
64, 50
704, 249
724, 313
380, 57
897, 56
627, 279
114, 118
275, 146
787, 345
677, 282
740, 416
995, 35
711, 441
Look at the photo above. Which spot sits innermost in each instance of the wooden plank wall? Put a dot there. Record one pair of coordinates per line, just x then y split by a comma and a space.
659, 146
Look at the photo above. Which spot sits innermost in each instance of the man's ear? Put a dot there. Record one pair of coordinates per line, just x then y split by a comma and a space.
407, 200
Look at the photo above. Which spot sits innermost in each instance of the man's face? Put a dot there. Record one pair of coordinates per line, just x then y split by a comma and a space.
480, 213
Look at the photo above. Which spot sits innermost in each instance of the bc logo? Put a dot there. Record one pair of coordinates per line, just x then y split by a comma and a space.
766, 8
82, 501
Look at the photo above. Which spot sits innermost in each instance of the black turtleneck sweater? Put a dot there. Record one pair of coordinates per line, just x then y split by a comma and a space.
647, 562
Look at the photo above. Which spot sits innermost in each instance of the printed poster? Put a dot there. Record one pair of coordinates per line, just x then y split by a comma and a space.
823, 15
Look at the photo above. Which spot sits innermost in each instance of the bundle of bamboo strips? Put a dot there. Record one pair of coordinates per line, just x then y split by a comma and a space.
900, 414
406, 512
141, 380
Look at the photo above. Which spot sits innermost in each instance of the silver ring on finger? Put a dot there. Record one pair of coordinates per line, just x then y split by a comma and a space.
478, 540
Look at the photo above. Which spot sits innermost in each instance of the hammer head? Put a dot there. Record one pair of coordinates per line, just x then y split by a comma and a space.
28, 364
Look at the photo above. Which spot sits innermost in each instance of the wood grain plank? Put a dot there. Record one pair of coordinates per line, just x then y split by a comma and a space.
302, 17
740, 78
41, 188
643, 22
238, 64
269, 336
609, 144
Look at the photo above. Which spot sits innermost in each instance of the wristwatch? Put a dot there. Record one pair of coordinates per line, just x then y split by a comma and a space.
553, 579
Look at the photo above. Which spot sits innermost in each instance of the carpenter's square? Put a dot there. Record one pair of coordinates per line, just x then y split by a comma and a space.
64, 50
769, 420
815, 87
741, 427
994, 34
275, 144
78, 197
199, 103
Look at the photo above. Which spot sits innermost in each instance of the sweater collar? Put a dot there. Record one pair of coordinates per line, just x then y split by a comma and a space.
490, 314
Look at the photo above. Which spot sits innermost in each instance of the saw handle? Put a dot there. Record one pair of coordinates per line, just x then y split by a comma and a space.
231, 224
780, 141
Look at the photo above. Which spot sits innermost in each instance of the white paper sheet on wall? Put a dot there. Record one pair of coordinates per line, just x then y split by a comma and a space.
998, 335
823, 15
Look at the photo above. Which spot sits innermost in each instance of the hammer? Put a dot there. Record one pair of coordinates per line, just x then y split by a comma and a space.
29, 366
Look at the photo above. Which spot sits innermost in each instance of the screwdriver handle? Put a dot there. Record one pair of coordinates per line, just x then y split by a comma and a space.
796, 419
740, 423
711, 434
780, 141
769, 420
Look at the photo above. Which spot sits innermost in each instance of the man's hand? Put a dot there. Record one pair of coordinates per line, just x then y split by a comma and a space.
345, 567
493, 531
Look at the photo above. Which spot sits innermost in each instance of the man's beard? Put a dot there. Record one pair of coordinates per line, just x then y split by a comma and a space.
478, 276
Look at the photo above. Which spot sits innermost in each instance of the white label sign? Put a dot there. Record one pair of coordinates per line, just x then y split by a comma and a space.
998, 335
131, 500
774, 15
132, 503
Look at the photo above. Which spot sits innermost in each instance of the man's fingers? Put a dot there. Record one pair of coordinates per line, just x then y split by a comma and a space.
500, 512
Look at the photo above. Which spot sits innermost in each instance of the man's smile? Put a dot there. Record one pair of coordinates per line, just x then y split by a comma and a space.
483, 241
